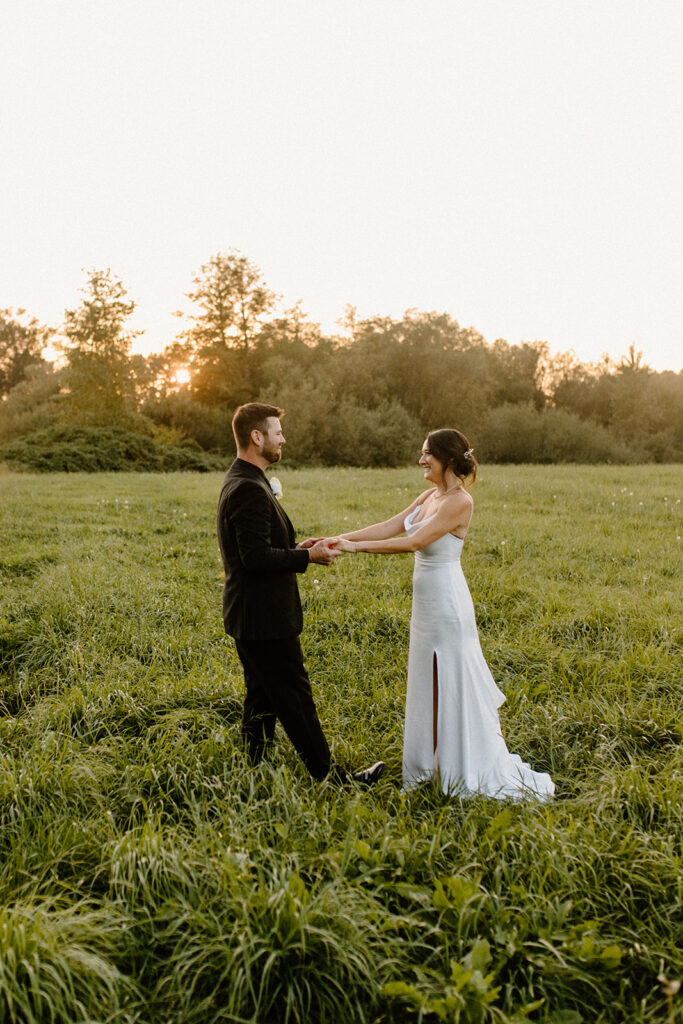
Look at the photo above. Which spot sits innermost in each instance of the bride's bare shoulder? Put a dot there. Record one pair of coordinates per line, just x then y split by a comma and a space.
459, 501
420, 500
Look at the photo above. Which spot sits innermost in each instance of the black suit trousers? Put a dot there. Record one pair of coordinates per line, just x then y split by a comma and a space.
278, 687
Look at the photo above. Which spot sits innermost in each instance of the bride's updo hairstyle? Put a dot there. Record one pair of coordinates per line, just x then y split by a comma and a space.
453, 451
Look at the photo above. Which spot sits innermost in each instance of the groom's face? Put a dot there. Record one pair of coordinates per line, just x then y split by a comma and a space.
273, 440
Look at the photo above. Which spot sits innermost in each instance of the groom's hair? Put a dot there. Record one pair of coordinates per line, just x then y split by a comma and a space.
252, 416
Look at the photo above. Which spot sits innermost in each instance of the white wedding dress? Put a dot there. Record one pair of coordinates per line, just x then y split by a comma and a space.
471, 755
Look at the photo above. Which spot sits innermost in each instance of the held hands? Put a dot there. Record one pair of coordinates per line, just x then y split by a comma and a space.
340, 544
319, 550
324, 550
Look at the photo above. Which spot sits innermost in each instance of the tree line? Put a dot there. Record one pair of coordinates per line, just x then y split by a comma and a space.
363, 397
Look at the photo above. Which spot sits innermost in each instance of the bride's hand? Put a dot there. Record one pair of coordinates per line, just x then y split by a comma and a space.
309, 542
342, 544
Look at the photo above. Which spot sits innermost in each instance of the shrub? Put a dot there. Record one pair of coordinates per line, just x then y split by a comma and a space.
384, 436
96, 449
209, 425
521, 433
324, 430
32, 405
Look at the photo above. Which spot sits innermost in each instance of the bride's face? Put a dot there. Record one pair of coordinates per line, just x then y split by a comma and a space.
433, 469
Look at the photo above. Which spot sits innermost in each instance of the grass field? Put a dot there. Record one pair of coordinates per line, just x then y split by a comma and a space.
147, 875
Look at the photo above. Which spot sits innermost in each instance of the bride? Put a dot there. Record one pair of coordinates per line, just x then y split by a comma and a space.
452, 730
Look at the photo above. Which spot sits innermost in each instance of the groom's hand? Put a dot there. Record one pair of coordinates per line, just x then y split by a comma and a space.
321, 553
309, 543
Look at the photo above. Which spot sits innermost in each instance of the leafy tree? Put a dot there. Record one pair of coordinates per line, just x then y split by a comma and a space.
99, 375
643, 416
517, 371
349, 321
322, 427
157, 375
294, 345
21, 346
583, 388
33, 404
293, 331
233, 300
426, 361
665, 440
630, 398
225, 377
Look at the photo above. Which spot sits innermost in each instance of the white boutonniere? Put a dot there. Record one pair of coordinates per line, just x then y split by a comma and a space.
276, 487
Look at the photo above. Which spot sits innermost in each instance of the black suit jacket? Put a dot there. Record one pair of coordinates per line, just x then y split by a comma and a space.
256, 538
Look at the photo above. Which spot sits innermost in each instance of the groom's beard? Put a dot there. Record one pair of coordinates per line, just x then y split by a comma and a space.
272, 454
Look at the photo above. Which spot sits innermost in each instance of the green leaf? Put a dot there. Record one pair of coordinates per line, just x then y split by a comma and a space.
611, 955
479, 957
362, 849
499, 824
440, 899
401, 990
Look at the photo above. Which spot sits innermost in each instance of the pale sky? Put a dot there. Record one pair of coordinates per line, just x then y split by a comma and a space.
516, 164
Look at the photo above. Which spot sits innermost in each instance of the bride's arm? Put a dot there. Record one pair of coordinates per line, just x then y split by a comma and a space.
389, 528
455, 514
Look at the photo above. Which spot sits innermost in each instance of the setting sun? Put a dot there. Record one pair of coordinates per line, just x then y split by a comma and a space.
182, 377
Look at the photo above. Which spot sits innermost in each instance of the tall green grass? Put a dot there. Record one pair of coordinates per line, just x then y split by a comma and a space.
147, 875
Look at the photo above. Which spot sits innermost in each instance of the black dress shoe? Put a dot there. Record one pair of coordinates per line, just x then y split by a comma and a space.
369, 776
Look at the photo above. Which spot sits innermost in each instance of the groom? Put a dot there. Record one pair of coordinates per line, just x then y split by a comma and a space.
261, 604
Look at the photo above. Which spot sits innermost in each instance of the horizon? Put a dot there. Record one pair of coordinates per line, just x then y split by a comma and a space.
337, 331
